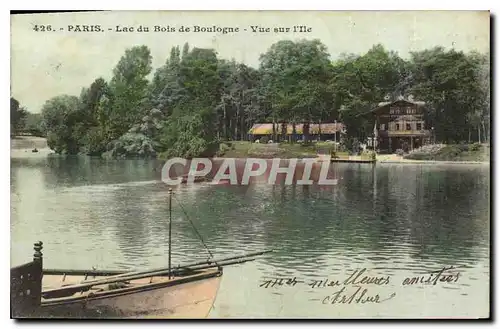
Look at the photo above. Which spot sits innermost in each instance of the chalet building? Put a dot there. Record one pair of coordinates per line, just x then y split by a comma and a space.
400, 125
329, 131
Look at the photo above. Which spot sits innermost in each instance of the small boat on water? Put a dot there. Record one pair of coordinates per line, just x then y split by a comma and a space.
187, 291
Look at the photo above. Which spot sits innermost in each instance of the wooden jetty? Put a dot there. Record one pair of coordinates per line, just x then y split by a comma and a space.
347, 159
353, 160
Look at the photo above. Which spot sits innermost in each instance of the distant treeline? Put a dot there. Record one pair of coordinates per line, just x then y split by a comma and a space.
23, 122
195, 100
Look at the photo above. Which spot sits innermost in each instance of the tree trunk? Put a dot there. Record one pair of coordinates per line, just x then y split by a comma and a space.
235, 136
485, 136
479, 133
242, 129
274, 129
469, 135
224, 122
283, 130
305, 132
319, 130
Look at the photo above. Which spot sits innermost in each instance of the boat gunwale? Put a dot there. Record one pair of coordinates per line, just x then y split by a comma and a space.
129, 290
83, 272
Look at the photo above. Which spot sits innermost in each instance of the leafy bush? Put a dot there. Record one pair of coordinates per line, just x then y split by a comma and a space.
94, 141
132, 145
475, 147
450, 152
400, 152
60, 119
369, 154
189, 136
54, 143
224, 148
425, 152
441, 152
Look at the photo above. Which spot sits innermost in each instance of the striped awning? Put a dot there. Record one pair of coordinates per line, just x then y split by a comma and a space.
267, 128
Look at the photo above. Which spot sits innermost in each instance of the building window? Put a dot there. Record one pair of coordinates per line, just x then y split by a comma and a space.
408, 126
419, 126
397, 126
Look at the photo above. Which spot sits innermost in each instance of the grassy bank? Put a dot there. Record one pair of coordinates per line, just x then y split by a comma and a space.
438, 152
457, 152
244, 149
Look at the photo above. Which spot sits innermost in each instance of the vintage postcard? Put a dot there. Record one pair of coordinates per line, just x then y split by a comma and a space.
250, 164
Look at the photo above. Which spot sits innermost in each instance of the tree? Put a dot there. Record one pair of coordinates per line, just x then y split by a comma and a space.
141, 139
165, 90
34, 124
456, 89
185, 50
194, 115
359, 83
90, 102
60, 117
17, 116
187, 137
295, 78
195, 99
482, 102
129, 88
238, 88
93, 128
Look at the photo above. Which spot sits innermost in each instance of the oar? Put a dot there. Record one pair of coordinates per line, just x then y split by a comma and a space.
204, 267
162, 269
114, 279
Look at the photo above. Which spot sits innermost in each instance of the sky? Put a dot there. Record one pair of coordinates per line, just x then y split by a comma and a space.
45, 64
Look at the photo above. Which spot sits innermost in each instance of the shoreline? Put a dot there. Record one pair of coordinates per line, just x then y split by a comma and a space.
405, 161
27, 152
385, 161
22, 146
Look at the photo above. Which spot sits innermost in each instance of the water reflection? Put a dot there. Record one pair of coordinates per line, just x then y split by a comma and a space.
114, 214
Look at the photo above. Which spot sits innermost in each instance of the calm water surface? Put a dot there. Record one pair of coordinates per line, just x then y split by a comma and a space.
395, 220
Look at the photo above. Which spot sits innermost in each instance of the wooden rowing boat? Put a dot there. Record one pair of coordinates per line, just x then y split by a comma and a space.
189, 296
187, 291
37, 293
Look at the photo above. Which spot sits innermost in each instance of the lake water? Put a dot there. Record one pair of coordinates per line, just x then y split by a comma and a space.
394, 220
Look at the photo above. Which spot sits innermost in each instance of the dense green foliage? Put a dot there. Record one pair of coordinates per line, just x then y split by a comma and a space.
33, 124
17, 116
196, 100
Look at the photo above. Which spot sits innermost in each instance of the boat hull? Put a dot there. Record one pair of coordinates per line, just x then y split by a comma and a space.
190, 297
